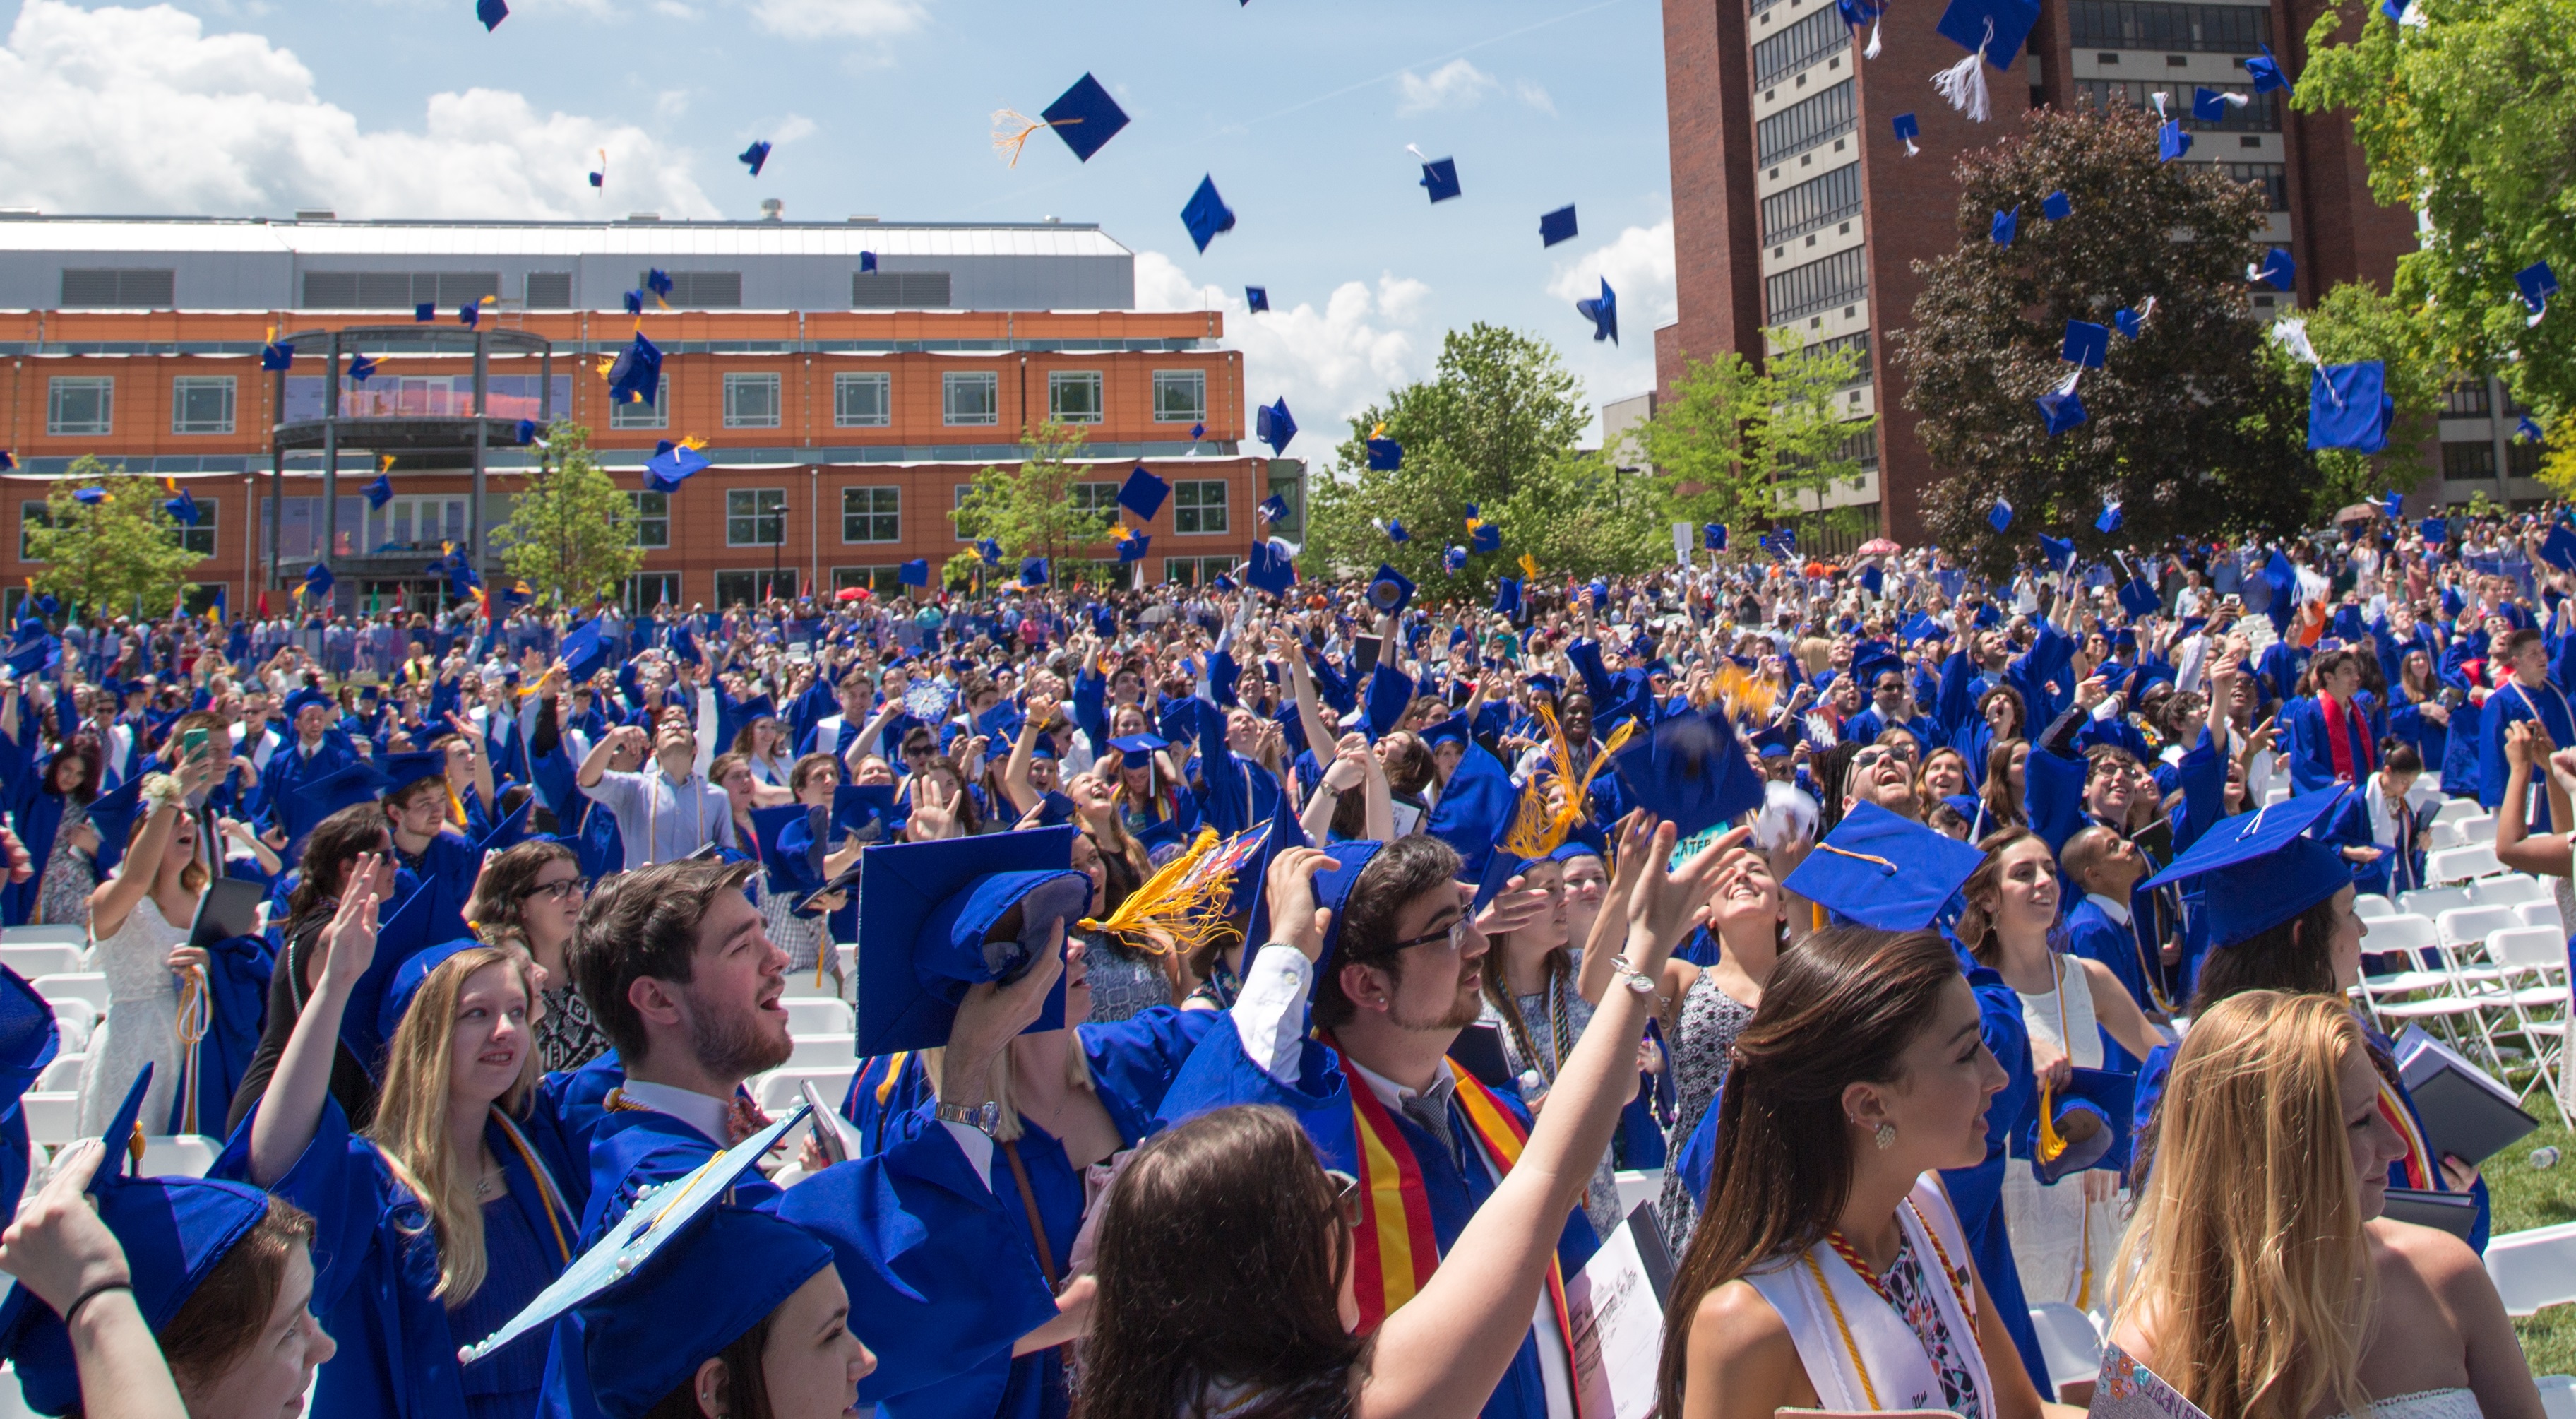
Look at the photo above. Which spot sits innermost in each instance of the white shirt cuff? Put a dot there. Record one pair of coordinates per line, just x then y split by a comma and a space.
1269, 1014
977, 1148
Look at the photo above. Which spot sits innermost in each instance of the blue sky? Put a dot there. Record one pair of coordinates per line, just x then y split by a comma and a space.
1300, 109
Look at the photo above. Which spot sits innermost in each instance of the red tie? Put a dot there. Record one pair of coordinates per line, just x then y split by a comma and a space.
743, 1118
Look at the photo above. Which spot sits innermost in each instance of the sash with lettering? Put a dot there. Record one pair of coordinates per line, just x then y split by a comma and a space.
1398, 1250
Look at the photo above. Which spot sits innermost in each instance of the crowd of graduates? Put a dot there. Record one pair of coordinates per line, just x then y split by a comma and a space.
1260, 986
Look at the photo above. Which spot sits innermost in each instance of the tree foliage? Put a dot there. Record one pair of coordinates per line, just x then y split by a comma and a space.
2193, 427
2470, 119
1740, 445
572, 536
112, 556
1497, 425
1030, 510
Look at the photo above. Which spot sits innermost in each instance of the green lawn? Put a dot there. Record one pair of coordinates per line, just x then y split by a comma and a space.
2525, 1196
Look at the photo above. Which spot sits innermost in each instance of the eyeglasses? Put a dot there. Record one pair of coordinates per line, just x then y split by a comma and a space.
569, 889
1346, 1196
1455, 932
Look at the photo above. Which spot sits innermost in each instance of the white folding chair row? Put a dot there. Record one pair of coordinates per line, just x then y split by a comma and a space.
40, 958
780, 1088
2457, 994
74, 985
2531, 967
2430, 902
2445, 835
812, 1016
2510, 889
2370, 906
2542, 913
2455, 809
75, 937
2534, 1269
2461, 864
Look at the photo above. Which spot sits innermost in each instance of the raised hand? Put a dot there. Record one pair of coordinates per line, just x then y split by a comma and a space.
350, 938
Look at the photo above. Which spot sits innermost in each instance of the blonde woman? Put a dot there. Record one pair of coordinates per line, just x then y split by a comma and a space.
2259, 1278
138, 931
460, 1064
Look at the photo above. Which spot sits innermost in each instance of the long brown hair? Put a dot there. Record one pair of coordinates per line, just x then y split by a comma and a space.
1838, 1010
497, 913
1976, 928
2001, 805
225, 1316
1241, 1183
330, 848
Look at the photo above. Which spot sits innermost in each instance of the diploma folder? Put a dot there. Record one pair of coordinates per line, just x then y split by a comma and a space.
2452, 1212
2465, 1112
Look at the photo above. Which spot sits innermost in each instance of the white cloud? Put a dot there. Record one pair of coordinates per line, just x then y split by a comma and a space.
791, 128
141, 110
1456, 84
1535, 95
1638, 263
673, 9
838, 19
1328, 363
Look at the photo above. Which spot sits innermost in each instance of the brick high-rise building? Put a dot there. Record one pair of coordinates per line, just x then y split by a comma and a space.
1795, 204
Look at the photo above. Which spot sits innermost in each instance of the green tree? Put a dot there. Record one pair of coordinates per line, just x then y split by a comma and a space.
2356, 322
572, 536
115, 555
2193, 428
1497, 425
1030, 510
1740, 445
2470, 119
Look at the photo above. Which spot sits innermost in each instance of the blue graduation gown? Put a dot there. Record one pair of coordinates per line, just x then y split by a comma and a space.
1219, 1074
1977, 1193
2508, 705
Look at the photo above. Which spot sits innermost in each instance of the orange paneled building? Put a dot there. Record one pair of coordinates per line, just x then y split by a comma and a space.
842, 437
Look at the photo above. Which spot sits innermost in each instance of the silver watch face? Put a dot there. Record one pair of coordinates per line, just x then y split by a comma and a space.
1638, 982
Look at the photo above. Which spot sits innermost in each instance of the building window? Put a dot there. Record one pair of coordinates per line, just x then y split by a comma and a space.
81, 404
871, 514
2147, 24
755, 517
137, 288
415, 523
1073, 396
973, 398
862, 401
899, 290
646, 590
1804, 43
652, 518
199, 539
1818, 202
698, 290
548, 290
1195, 571
1098, 499
2466, 399
31, 516
1803, 125
880, 581
1839, 279
2273, 177
957, 504
2463, 461
751, 401
397, 290
656, 415
1857, 341
749, 587
1180, 396
1198, 505
201, 404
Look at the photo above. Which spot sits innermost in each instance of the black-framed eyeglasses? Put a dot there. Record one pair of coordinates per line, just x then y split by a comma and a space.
569, 889
1455, 931
1346, 1196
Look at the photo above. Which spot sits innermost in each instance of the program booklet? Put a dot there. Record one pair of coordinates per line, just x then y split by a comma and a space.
2126, 1389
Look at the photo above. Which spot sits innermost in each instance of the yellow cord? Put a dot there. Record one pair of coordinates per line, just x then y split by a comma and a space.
1859, 1366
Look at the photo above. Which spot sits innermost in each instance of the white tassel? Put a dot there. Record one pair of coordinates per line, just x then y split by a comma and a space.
2067, 385
1872, 51
2239, 100
2159, 98
2537, 314
1911, 150
1964, 85
2146, 310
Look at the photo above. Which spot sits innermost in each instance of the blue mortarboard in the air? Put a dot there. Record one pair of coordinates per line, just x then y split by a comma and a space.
657, 1293
427, 311
1482, 535
1603, 312
2005, 225
2537, 284
2056, 206
1919, 627
1872, 579
1690, 771
1385, 455
1389, 590
634, 302
361, 368
1133, 544
673, 464
2278, 270
1143, 493
2128, 321
183, 508
2060, 551
658, 281
925, 910
2392, 504
867, 261
527, 432
1440, 177
2208, 105
1033, 571
173, 1230
2091, 1118
491, 13
2062, 410
581, 653
2433, 529
277, 355
636, 377
914, 573
1884, 870
1207, 215
1557, 226
2348, 407
1908, 128
2139, 598
2086, 344
1270, 567
1712, 536
755, 157
2110, 519
1507, 596
2558, 548
2527, 430
1275, 426
1997, 28
469, 314
2171, 141
2265, 70
2260, 869
1086, 117
318, 581
1257, 298
1453, 560
1999, 517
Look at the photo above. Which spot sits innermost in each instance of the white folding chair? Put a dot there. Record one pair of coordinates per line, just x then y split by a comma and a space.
2557, 1395
781, 1088
52, 1118
179, 1155
2067, 1341
1638, 1185
2460, 864
2456, 997
2455, 809
77, 1022
2444, 835
822, 1052
2534, 1269
2542, 913
63, 1075
2430, 902
2370, 906
40, 958
74, 985
2511, 889
809, 1016
2531, 967
2470, 926
2478, 829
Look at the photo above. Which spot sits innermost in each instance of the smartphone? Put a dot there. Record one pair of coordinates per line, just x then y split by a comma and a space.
193, 743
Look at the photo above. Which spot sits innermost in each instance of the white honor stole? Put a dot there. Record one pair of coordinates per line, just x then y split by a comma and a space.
1859, 1353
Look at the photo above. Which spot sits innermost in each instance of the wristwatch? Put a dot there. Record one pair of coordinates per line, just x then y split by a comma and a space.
1638, 981
983, 1117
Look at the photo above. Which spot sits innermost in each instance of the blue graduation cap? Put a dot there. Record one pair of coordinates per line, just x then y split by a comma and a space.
2086, 344
380, 492
1993, 29
1198, 431
914, 573
1033, 571
2056, 206
8, 460
183, 508
1691, 771
2433, 529
2392, 504
410, 976
1482, 536
90, 497
1085, 117
1907, 130
2527, 430
2278, 269
581, 652
2171, 141
1270, 567
1143, 493
1884, 870
427, 311
2349, 407
1557, 226
2537, 284
1712, 536
1273, 425
2063, 410
277, 355
634, 302
1453, 560
1999, 517
1273, 508
927, 913
361, 367
1207, 215
1440, 177
2130, 323
2059, 551
1257, 297
2261, 868
1920, 627
1603, 312
867, 261
491, 13
2558, 548
2139, 598
527, 432
658, 281
1507, 596
318, 581
2109, 521
2084, 1125
755, 157
174, 1231
2266, 72
1132, 542
672, 464
989, 552
303, 810
2209, 105
1389, 591
35, 645
636, 377
2004, 226
1385, 455
397, 771
469, 314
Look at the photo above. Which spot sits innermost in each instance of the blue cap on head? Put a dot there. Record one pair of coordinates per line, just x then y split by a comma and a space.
926, 911
1884, 870
1691, 771
411, 976
646, 1335
2261, 869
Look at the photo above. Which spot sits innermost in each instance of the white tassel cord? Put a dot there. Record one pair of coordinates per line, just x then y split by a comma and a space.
1964, 83
1911, 150
1872, 51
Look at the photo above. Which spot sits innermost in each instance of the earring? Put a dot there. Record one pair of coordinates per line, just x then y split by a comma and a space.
1885, 1138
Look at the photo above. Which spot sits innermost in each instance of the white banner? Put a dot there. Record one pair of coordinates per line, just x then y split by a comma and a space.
1682, 543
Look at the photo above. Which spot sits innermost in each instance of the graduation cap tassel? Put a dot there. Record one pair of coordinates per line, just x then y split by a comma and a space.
1012, 130
1875, 21
1175, 911
1964, 84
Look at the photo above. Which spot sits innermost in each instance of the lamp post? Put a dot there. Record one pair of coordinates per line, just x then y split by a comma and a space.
777, 539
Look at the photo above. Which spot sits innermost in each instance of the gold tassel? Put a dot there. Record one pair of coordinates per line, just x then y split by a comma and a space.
2050, 1147
1182, 907
1013, 130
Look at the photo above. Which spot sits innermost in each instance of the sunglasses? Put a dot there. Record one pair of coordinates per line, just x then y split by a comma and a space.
1346, 1196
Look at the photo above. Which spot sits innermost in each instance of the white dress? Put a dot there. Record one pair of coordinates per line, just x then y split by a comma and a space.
2427, 1404
2062, 1244
142, 1024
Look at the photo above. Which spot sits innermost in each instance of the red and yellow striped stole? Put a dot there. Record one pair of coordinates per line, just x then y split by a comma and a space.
2423, 1170
1397, 1247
